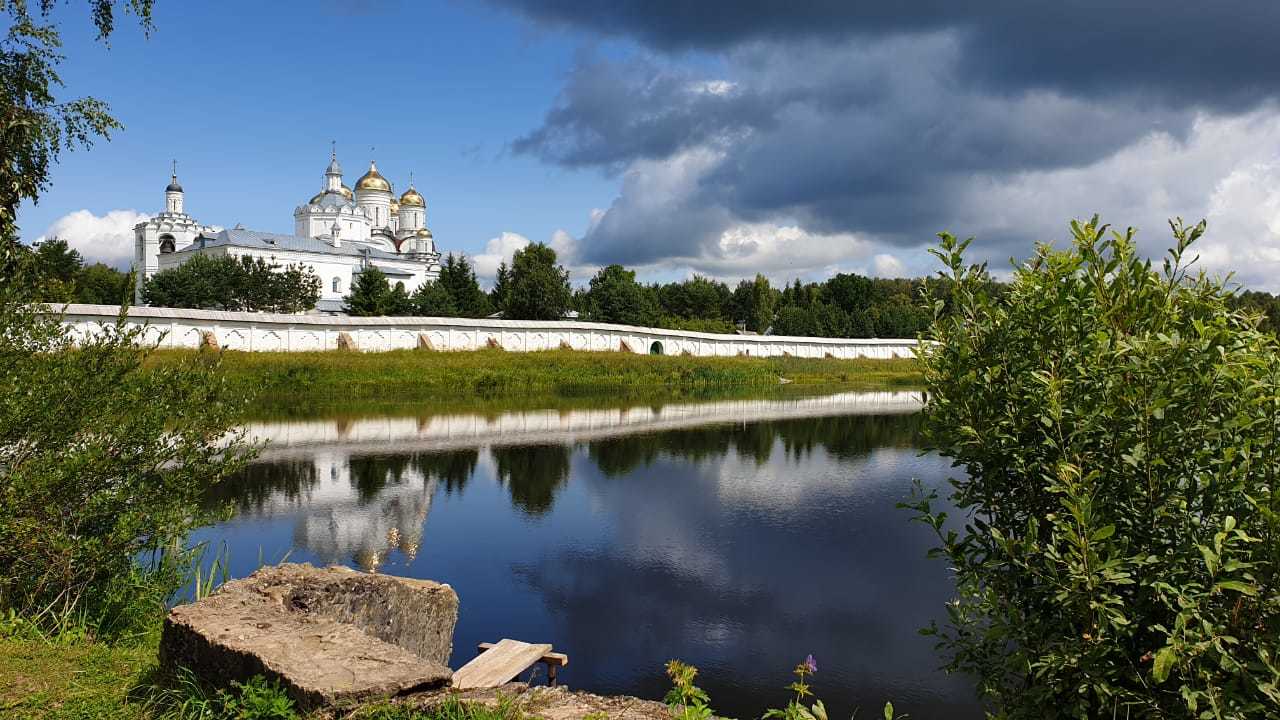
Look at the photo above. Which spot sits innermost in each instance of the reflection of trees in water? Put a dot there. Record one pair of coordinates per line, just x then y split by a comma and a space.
258, 483
845, 437
850, 436
533, 474
371, 474
452, 469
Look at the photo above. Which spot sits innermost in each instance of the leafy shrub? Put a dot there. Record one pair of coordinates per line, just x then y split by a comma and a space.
1120, 555
102, 464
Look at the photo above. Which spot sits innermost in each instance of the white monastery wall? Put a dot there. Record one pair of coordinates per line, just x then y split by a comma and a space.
182, 328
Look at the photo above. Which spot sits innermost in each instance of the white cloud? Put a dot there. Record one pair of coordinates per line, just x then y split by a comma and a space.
107, 239
496, 251
500, 249
1227, 170
887, 266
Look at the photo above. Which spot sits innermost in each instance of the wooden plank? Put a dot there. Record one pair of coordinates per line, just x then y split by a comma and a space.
499, 665
551, 658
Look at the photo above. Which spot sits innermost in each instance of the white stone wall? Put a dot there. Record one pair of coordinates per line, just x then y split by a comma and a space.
180, 328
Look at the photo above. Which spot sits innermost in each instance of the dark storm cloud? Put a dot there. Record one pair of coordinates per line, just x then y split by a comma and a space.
872, 138
880, 122
1215, 53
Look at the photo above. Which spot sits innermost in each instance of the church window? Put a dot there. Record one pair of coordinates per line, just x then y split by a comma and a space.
166, 244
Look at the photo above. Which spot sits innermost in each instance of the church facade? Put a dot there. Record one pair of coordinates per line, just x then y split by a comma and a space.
338, 234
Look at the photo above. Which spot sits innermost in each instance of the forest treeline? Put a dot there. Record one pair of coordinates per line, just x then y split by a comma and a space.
536, 287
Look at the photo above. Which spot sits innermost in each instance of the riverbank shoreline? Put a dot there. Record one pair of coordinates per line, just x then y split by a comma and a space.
50, 679
284, 383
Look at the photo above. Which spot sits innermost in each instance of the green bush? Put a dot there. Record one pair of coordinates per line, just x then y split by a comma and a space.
1120, 550
102, 467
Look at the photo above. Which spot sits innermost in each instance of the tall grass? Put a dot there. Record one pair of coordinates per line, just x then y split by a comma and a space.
281, 379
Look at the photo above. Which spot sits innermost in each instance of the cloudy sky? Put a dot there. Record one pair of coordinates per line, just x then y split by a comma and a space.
725, 138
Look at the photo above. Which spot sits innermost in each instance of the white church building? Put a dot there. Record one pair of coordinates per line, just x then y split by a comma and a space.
338, 233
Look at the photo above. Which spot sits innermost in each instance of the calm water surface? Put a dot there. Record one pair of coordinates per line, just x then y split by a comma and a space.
739, 536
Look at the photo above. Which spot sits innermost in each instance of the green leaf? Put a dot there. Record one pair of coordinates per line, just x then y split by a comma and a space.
1103, 533
1163, 664
1240, 587
888, 711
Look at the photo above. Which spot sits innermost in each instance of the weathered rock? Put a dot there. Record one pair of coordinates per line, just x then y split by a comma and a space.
329, 635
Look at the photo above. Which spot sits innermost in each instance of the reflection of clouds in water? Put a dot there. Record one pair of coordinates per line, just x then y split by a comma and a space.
740, 547
781, 482
767, 561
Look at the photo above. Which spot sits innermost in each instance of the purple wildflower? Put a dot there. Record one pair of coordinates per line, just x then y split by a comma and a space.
810, 664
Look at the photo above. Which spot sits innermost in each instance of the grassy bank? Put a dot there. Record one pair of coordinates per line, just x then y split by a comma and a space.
78, 679
302, 382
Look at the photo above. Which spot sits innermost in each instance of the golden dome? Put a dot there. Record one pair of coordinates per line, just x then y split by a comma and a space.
412, 198
373, 180
424, 233
316, 199
346, 192
395, 207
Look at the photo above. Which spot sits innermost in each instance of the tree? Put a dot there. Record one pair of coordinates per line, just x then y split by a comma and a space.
1116, 541
458, 278
56, 261
370, 294
501, 281
398, 301
614, 296
753, 303
293, 289
695, 298
202, 282
796, 320
538, 288
231, 283
36, 126
102, 285
431, 299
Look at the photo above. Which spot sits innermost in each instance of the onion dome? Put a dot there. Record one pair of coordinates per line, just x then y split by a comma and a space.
373, 180
173, 185
315, 198
424, 233
395, 207
346, 193
412, 198
334, 168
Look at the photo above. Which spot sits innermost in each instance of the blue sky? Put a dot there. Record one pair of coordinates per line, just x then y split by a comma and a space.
719, 137
248, 96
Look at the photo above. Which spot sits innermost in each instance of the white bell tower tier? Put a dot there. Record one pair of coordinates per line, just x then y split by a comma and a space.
168, 232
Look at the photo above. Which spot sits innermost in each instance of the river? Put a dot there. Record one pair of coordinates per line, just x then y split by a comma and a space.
739, 536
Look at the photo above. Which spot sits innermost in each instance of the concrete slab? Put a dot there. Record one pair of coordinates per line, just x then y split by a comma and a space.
330, 636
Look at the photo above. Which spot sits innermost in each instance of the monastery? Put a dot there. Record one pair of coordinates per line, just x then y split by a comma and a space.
338, 233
